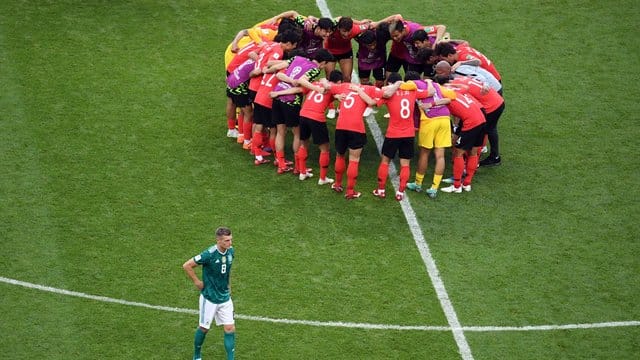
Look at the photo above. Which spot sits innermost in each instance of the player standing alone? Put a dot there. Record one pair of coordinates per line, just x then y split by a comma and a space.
215, 292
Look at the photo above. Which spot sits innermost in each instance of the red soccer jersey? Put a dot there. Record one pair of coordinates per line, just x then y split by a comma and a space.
266, 86
466, 52
270, 51
468, 109
315, 104
241, 56
490, 101
337, 45
352, 107
401, 105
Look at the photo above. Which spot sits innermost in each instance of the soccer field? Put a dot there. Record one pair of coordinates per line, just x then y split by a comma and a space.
116, 169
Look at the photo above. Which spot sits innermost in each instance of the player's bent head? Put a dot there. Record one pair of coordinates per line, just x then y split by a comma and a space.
445, 49
419, 35
393, 77
368, 37
326, 24
410, 75
425, 55
288, 36
345, 23
323, 55
336, 76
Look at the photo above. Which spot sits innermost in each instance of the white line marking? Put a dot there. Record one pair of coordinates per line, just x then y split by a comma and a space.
421, 243
322, 323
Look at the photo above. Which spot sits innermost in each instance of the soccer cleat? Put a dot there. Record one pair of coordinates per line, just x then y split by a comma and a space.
484, 150
379, 193
387, 115
446, 181
285, 169
466, 188
247, 145
337, 188
352, 195
331, 114
260, 162
368, 111
432, 193
286, 162
305, 176
325, 181
490, 161
232, 133
240, 139
452, 189
297, 172
414, 187
399, 195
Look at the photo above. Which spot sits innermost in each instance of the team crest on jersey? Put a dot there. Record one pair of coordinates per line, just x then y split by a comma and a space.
295, 71
224, 259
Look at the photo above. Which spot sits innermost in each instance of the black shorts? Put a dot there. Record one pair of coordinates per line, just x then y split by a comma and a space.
378, 73
493, 117
346, 139
317, 129
347, 55
252, 95
402, 146
285, 114
262, 115
394, 64
470, 138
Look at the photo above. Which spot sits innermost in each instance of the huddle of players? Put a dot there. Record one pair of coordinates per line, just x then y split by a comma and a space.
274, 79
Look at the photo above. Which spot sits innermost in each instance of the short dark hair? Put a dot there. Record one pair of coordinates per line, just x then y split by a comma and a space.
222, 231
345, 23
411, 75
424, 55
419, 35
393, 77
336, 76
367, 37
326, 24
324, 55
445, 49
296, 52
288, 36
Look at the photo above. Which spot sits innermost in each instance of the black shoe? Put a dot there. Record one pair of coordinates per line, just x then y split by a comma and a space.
491, 161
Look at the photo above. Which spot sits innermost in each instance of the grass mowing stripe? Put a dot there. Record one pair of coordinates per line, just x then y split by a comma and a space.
443, 297
323, 323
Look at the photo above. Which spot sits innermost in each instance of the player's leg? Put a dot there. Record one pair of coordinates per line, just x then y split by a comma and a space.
224, 317
207, 311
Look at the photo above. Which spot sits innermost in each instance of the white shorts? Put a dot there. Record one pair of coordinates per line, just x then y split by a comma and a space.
223, 313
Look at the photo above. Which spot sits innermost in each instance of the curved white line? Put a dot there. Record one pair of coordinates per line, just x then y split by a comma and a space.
342, 324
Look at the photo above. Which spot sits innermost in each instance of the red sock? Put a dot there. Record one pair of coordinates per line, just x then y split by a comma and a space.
325, 159
302, 159
405, 172
280, 157
383, 172
352, 176
339, 168
231, 123
241, 123
246, 129
472, 165
256, 143
458, 168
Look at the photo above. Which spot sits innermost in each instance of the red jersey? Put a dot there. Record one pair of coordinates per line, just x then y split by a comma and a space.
338, 45
468, 109
490, 101
241, 56
266, 86
352, 107
270, 51
315, 104
401, 105
465, 52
